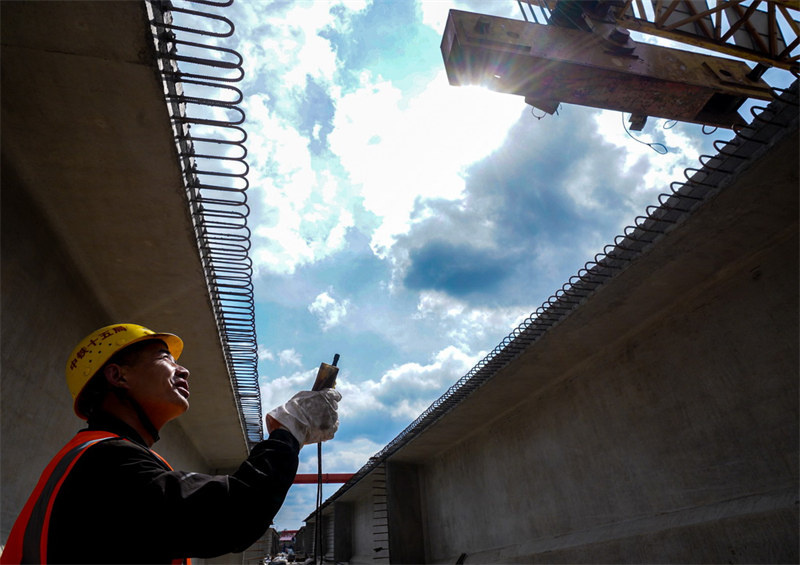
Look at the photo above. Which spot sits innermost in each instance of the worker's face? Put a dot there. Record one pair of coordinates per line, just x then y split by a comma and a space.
156, 381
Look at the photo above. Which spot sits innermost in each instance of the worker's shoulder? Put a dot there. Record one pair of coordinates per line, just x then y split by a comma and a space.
118, 450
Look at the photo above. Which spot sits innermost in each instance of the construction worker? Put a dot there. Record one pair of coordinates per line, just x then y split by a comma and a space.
106, 497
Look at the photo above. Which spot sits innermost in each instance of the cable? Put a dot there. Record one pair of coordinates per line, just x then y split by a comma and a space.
326, 378
652, 145
535, 116
544, 114
318, 529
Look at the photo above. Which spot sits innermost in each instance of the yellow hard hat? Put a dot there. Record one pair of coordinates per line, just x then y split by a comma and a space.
97, 348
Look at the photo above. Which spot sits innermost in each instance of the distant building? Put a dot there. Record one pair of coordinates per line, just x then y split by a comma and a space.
303, 542
287, 538
266, 547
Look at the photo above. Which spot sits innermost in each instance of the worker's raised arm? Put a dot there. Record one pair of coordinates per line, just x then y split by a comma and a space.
154, 513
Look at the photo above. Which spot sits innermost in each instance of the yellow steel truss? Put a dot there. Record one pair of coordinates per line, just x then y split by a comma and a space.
764, 31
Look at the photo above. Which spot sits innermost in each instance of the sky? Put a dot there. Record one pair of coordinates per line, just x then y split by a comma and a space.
407, 224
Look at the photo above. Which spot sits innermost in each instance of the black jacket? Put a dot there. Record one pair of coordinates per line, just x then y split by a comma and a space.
121, 503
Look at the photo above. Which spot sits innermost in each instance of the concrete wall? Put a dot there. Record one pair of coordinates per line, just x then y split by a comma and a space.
362, 519
268, 545
343, 531
361, 524
46, 310
678, 443
406, 533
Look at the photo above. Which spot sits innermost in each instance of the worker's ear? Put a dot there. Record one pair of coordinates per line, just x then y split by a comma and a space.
115, 375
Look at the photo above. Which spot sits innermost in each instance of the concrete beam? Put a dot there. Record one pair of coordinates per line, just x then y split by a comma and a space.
85, 128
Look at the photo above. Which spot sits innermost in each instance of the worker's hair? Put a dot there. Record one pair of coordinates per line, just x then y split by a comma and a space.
92, 395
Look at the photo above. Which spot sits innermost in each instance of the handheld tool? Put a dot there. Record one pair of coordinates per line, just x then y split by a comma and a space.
326, 378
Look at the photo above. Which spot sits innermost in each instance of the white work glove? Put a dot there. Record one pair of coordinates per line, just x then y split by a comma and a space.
311, 416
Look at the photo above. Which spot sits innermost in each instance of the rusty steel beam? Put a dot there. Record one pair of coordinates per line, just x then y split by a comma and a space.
548, 65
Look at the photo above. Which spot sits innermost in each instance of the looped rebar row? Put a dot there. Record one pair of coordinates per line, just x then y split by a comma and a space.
200, 95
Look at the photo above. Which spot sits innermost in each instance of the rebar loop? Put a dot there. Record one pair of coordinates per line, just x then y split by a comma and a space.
204, 111
682, 200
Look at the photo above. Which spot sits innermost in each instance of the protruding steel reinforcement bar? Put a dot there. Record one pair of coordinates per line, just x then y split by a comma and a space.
200, 96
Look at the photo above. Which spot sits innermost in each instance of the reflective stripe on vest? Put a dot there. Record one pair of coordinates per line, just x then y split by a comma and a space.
27, 542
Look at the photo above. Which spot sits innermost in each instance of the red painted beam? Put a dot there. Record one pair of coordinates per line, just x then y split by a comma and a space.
311, 479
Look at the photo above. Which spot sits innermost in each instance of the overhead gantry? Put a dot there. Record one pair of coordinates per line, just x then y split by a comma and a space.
585, 55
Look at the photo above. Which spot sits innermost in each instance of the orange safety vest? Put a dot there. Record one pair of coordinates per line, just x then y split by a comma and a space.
27, 542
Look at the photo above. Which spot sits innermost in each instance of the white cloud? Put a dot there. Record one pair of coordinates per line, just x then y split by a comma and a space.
306, 217
293, 44
300, 502
395, 151
277, 391
329, 311
290, 357
264, 354
399, 151
340, 456
406, 390
434, 12
402, 393
469, 327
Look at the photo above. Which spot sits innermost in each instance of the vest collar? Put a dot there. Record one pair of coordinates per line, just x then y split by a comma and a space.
106, 422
